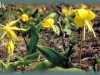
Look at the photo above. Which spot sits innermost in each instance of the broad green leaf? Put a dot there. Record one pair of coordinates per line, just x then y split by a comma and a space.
59, 69
34, 15
53, 56
56, 29
33, 40
51, 15
32, 57
16, 64
44, 65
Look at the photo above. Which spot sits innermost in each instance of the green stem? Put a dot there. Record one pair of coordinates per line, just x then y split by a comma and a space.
80, 52
8, 60
23, 37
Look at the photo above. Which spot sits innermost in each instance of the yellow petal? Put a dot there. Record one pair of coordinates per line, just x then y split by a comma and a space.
91, 15
51, 21
24, 17
10, 48
3, 35
88, 25
13, 34
64, 10
16, 28
83, 6
93, 32
40, 10
46, 25
79, 21
83, 13
12, 22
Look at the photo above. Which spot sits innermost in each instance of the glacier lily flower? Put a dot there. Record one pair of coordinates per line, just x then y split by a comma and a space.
83, 19
10, 47
66, 11
9, 28
24, 17
48, 23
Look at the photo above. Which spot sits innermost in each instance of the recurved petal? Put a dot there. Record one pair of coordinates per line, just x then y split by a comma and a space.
16, 28
13, 34
91, 15
12, 23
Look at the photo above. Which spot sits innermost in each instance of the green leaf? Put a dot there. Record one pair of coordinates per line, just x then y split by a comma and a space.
44, 65
2, 65
59, 69
66, 53
95, 68
67, 24
51, 15
33, 40
97, 59
1, 32
39, 26
19, 58
56, 29
33, 56
67, 31
34, 15
16, 64
53, 56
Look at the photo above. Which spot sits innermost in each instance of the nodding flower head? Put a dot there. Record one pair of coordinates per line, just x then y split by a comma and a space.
48, 23
24, 17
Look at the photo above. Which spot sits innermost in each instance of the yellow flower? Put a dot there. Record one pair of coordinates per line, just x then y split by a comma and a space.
40, 10
83, 6
83, 18
8, 30
67, 11
24, 18
10, 47
82, 15
48, 23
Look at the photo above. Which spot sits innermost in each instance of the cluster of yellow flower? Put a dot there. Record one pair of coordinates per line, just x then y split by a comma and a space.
8, 31
82, 18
